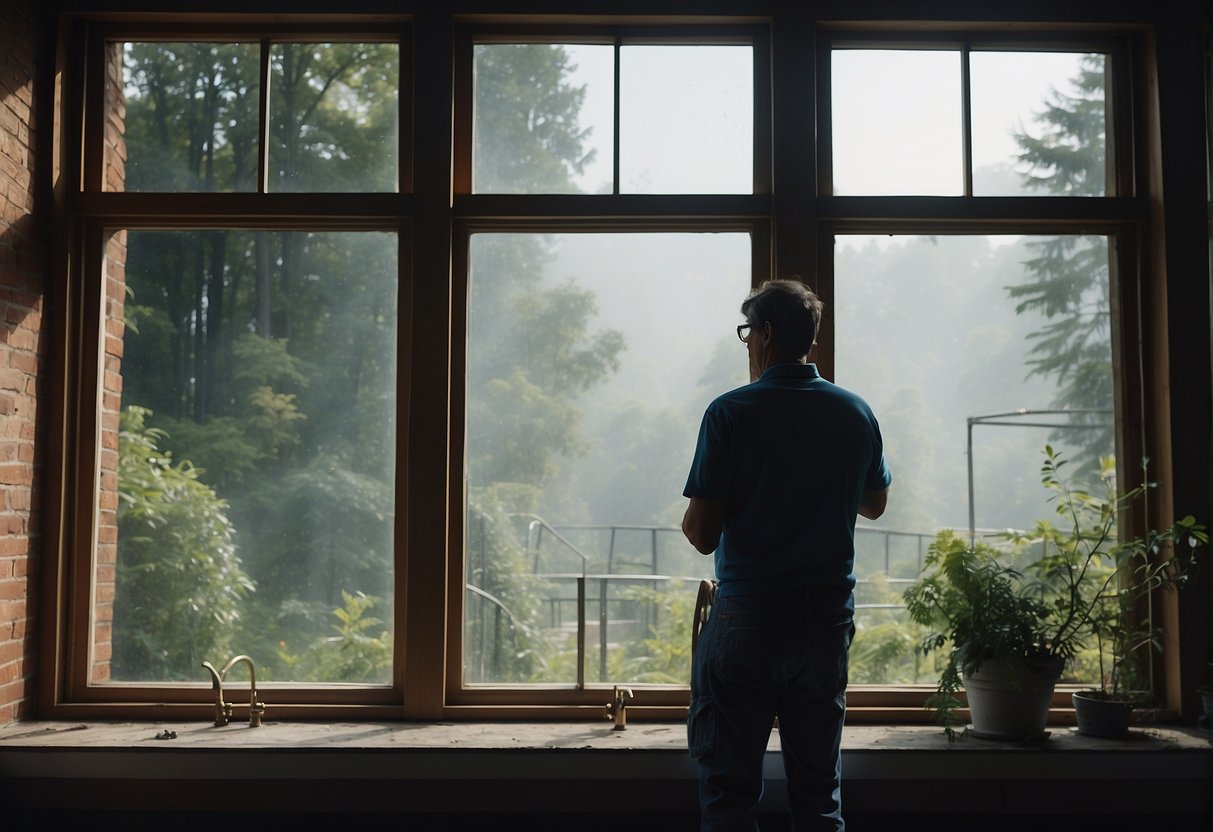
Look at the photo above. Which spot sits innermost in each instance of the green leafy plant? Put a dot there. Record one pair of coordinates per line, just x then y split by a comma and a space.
982, 611
1098, 580
178, 582
1084, 583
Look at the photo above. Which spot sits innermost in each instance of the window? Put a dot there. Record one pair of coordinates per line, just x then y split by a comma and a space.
974, 349
590, 347
389, 376
977, 121
247, 430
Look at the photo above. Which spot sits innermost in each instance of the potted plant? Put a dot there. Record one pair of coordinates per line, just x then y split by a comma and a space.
997, 632
1011, 631
1099, 583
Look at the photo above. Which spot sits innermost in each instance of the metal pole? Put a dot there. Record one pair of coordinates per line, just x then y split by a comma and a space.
602, 629
581, 632
972, 510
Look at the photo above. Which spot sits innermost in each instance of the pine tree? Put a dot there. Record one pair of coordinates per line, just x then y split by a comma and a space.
1069, 284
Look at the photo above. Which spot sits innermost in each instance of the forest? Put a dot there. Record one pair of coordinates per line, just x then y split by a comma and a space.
259, 437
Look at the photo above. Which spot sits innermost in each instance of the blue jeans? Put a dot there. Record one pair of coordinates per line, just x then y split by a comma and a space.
759, 657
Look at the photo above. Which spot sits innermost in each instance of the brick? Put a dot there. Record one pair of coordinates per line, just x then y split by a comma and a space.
24, 361
16, 474
13, 589
11, 379
11, 651
9, 672
12, 547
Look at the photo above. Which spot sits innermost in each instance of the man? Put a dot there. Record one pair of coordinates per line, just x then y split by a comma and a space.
782, 467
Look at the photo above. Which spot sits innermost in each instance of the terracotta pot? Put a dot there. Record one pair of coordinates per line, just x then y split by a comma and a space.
1099, 717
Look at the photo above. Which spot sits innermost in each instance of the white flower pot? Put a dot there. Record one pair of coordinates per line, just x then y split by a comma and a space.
1010, 704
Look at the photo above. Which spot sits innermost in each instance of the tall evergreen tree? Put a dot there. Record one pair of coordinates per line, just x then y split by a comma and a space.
1069, 273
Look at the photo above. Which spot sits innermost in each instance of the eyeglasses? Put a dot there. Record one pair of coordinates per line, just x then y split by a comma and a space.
743, 332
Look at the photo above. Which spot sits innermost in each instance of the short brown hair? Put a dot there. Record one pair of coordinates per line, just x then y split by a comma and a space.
793, 310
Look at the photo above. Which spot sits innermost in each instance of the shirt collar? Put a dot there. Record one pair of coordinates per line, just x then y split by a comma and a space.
807, 372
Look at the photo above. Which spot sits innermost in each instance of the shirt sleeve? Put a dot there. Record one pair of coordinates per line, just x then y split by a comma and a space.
709, 477
879, 477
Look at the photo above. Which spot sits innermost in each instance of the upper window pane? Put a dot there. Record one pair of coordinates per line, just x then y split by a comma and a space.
897, 124
334, 116
1039, 123
686, 119
543, 118
183, 117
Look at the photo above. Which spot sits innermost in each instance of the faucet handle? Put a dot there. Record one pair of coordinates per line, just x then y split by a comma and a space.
255, 712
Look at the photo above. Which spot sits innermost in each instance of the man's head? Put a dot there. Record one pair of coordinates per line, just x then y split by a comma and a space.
783, 316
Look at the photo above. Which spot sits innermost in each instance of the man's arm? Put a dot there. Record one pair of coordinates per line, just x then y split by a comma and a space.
873, 503
702, 524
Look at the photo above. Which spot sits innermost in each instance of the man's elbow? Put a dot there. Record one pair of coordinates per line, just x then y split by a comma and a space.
697, 538
873, 504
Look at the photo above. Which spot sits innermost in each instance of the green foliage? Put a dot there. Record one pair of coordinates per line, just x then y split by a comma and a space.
361, 650
179, 583
527, 135
504, 640
663, 655
1099, 580
1081, 583
982, 611
268, 357
885, 650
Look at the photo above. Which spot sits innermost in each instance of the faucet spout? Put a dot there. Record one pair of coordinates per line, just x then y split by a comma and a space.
255, 709
223, 710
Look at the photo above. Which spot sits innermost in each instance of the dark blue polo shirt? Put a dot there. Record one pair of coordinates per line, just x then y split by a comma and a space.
791, 454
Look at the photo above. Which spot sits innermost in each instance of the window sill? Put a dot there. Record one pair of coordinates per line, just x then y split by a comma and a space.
567, 766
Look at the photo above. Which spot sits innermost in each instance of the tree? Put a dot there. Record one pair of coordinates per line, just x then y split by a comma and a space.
268, 356
531, 349
301, 424
1070, 285
179, 584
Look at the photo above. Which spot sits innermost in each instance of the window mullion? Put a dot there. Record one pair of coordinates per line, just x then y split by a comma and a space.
966, 111
263, 115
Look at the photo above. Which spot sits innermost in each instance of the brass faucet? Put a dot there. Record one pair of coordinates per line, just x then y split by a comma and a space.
223, 710
616, 709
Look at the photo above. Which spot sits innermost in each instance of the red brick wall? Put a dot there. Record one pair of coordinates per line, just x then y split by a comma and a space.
22, 355
106, 553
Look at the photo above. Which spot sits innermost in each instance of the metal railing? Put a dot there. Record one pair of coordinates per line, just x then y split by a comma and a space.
545, 544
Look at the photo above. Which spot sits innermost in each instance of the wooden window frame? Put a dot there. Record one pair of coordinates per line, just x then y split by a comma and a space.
90, 213
791, 216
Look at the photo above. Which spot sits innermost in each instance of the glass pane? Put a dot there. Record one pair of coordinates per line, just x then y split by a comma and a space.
686, 119
897, 126
334, 122
250, 399
543, 118
590, 360
1039, 124
183, 118
940, 333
